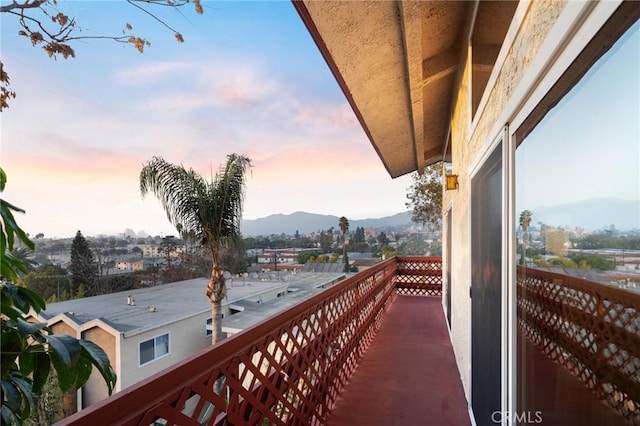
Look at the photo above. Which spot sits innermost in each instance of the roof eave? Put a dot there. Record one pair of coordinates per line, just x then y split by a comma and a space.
373, 79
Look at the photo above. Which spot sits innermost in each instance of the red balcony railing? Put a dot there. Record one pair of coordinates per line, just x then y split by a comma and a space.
590, 329
288, 369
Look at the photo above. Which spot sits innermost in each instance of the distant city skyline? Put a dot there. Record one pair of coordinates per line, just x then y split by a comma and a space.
593, 215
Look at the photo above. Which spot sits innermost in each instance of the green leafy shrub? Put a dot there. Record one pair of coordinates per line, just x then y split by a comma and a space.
28, 349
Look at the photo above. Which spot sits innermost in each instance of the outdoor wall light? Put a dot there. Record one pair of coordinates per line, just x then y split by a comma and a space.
452, 182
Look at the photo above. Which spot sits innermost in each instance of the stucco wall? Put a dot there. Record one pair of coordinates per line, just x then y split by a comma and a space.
95, 389
469, 138
460, 244
186, 338
62, 327
70, 398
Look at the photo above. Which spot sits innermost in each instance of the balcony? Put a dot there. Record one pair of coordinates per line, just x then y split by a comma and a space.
374, 349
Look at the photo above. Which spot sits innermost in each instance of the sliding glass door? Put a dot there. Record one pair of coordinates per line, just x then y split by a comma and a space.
486, 286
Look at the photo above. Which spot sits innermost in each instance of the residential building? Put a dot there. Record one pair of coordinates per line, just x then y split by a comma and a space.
124, 265
152, 250
362, 262
144, 264
158, 250
280, 256
147, 330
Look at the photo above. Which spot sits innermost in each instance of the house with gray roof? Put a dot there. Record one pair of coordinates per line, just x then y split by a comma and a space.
146, 330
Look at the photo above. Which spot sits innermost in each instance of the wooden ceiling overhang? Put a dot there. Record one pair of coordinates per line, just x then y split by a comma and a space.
397, 64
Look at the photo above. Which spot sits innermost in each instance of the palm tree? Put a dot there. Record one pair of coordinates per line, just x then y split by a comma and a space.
25, 255
343, 222
212, 210
525, 221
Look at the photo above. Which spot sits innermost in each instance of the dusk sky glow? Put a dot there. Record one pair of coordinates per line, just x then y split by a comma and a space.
248, 79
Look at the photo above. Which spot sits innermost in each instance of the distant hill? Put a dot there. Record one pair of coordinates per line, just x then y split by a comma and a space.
304, 222
592, 214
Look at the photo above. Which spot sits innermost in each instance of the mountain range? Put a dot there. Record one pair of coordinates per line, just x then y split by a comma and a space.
592, 214
304, 223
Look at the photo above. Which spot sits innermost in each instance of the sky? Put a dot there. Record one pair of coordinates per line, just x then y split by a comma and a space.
248, 79
588, 146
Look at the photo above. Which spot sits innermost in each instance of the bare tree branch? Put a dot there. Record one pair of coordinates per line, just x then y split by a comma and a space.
135, 4
43, 24
26, 5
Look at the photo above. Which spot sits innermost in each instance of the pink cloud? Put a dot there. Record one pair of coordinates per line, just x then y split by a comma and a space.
151, 73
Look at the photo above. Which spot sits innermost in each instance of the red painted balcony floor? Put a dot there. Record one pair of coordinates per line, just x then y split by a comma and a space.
408, 376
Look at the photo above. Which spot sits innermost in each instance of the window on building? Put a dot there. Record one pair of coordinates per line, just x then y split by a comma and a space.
153, 349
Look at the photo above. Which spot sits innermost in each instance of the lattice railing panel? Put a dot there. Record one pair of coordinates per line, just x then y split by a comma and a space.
420, 276
289, 369
591, 329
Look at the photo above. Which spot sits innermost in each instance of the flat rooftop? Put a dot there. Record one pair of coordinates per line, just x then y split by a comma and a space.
180, 300
300, 286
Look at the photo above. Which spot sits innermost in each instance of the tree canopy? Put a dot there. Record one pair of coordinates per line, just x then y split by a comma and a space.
425, 196
84, 270
343, 223
11, 266
211, 210
525, 222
